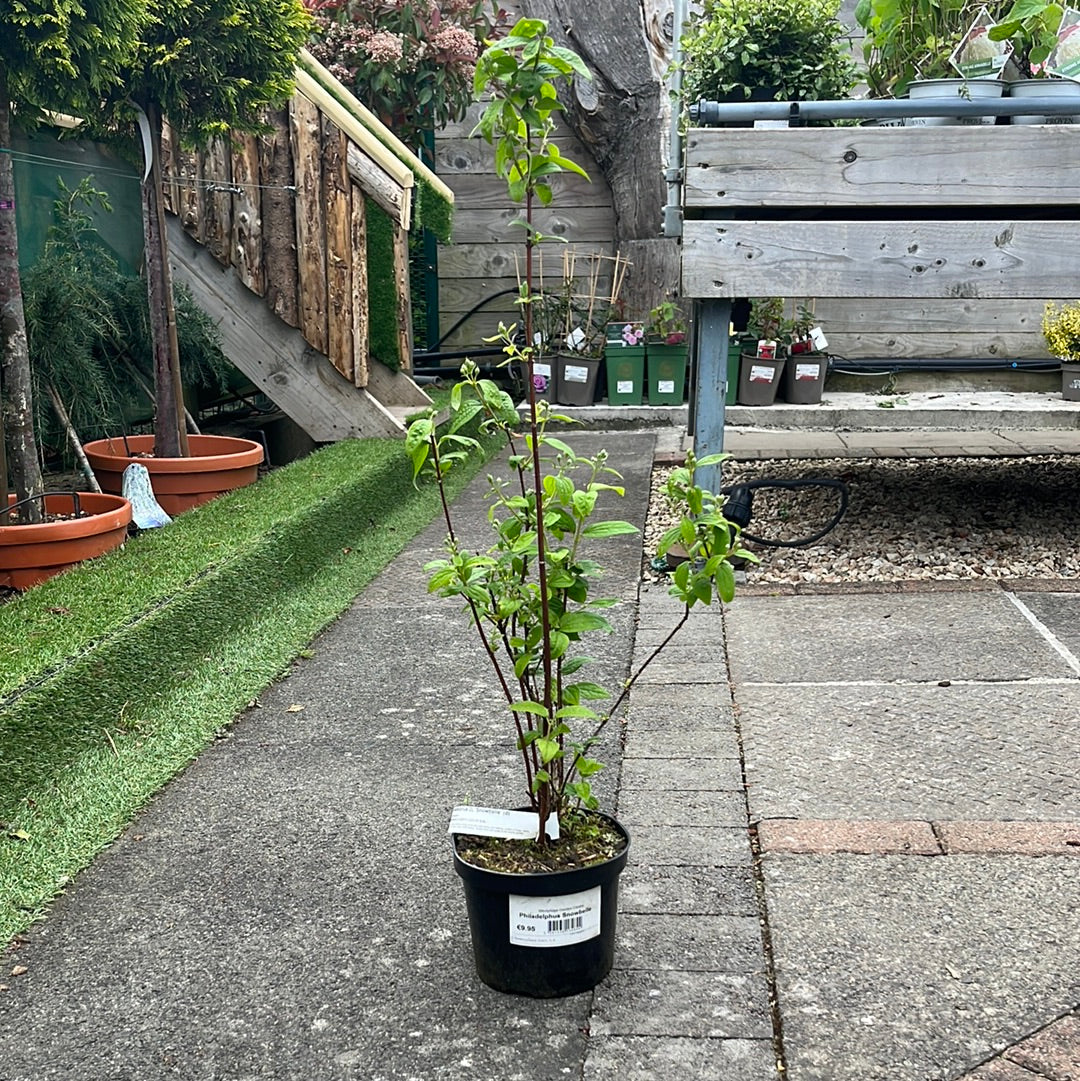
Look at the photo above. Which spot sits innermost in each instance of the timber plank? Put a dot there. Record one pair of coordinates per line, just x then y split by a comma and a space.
217, 199
837, 167
247, 212
279, 219
403, 292
988, 259
310, 221
377, 183
484, 226
361, 318
483, 261
337, 188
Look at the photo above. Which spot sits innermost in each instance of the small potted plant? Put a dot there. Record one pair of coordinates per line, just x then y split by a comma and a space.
624, 357
541, 883
806, 365
761, 365
1061, 329
667, 353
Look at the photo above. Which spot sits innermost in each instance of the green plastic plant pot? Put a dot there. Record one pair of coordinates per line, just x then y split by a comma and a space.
667, 373
625, 374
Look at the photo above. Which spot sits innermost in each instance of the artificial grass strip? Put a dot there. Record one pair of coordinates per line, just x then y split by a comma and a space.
181, 647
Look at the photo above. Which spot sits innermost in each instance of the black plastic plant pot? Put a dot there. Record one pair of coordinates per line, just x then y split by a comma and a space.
544, 935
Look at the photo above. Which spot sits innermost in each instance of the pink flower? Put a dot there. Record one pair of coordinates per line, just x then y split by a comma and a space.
385, 48
632, 334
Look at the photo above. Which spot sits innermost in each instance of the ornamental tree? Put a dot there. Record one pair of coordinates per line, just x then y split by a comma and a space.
209, 66
61, 55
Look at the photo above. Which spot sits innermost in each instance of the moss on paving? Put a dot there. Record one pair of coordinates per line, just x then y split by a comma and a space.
115, 675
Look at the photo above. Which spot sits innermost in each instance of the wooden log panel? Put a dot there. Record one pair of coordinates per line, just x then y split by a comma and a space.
377, 183
361, 317
880, 167
403, 292
189, 197
919, 259
280, 268
337, 197
217, 199
170, 146
310, 221
247, 212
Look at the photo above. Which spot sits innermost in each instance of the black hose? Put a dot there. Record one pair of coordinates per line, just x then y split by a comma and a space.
739, 505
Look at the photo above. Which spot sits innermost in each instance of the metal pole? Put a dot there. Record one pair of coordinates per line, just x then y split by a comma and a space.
673, 209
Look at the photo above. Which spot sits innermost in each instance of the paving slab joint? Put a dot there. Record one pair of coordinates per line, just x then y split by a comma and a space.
1051, 1053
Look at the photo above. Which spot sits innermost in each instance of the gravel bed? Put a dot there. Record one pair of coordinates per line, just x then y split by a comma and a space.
924, 519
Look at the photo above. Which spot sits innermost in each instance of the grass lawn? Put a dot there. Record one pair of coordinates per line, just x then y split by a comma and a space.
115, 675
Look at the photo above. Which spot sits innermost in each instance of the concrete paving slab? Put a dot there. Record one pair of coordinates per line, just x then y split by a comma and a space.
664, 890
730, 944
692, 846
678, 808
694, 774
712, 1005
880, 751
643, 1058
885, 637
961, 957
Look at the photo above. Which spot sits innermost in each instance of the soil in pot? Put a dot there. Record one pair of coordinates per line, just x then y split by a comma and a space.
548, 930
29, 554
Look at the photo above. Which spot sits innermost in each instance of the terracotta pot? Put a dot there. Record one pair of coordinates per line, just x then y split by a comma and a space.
31, 553
218, 463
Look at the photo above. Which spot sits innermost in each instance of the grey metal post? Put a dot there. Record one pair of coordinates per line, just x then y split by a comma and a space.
710, 384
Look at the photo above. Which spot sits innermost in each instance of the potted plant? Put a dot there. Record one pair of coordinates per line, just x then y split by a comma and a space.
1061, 329
806, 365
624, 358
666, 353
762, 365
918, 50
1045, 42
769, 50
541, 883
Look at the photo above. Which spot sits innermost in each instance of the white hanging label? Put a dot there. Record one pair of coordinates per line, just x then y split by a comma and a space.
498, 822
555, 921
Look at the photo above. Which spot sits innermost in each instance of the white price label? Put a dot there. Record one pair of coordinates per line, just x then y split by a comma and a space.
807, 371
760, 373
624, 386
542, 369
555, 921
574, 373
665, 386
497, 822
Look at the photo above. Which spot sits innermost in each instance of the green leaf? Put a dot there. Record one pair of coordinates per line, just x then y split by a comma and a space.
549, 750
581, 622
587, 690
608, 529
527, 706
576, 711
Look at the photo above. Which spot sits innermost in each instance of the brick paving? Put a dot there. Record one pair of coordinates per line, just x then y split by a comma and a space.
1051, 1054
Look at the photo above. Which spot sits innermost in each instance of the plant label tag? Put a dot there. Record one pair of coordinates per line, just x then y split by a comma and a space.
555, 921
817, 336
766, 349
498, 822
624, 386
807, 371
576, 339
761, 373
574, 373
542, 369
665, 386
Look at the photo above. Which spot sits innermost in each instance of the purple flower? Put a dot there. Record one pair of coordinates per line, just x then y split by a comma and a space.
632, 334
540, 382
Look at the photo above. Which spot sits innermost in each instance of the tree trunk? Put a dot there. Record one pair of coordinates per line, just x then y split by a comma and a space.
623, 119
170, 432
17, 409
620, 116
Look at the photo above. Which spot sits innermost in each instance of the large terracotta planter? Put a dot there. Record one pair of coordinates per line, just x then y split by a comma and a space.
218, 463
31, 553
